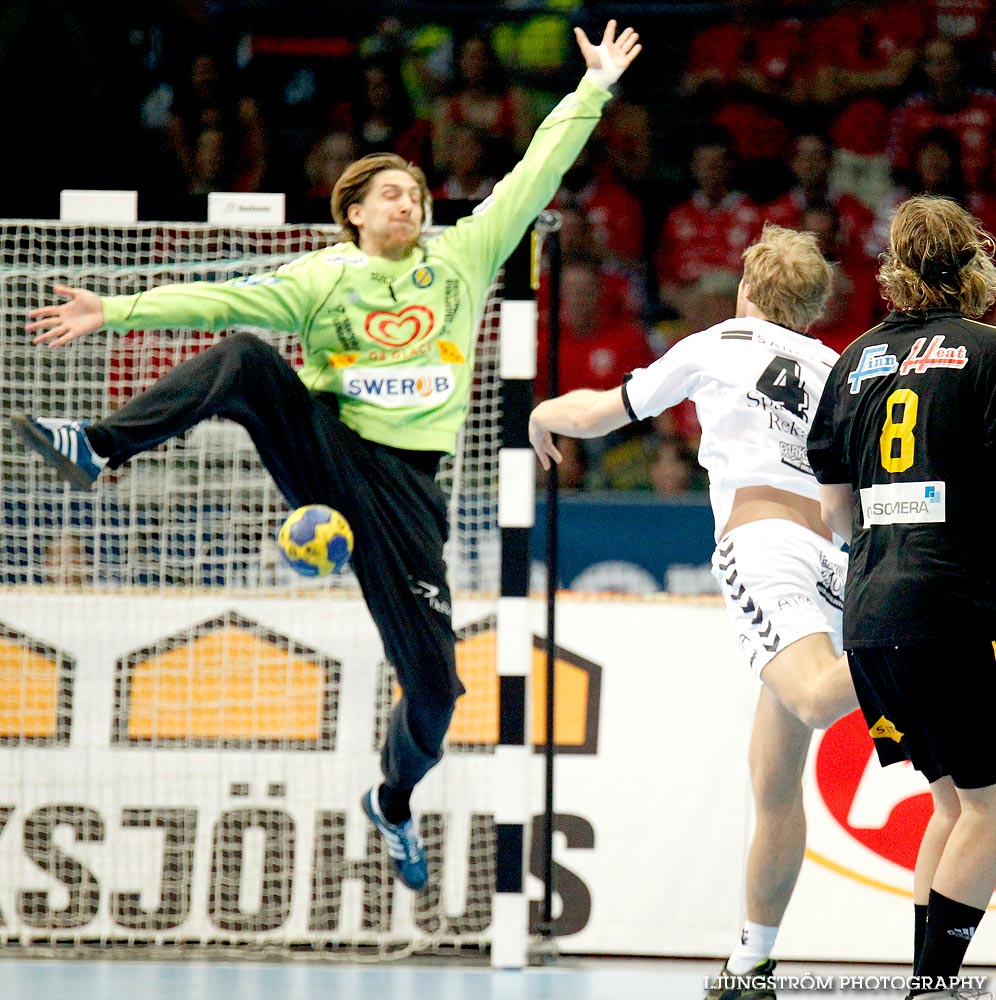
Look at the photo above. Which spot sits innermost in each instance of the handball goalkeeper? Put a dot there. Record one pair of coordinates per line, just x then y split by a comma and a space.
388, 327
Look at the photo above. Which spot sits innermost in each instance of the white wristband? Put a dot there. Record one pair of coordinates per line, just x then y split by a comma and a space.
608, 73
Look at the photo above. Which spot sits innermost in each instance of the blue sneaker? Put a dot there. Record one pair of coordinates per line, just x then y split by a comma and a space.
403, 843
63, 444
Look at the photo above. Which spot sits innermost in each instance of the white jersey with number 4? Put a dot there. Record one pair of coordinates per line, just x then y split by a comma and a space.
755, 387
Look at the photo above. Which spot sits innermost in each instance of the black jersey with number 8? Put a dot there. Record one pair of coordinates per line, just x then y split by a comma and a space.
908, 418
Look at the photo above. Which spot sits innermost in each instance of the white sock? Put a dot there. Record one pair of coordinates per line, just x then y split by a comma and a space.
755, 946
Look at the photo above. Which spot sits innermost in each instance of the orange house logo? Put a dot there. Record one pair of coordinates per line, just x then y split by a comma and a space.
36, 691
228, 683
475, 723
232, 683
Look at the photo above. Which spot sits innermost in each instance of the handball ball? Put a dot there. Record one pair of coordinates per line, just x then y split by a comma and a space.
316, 540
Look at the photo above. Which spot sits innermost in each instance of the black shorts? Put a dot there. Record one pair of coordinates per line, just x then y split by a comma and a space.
931, 704
390, 498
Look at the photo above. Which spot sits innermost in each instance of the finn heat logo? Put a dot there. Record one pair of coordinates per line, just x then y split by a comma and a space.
873, 363
935, 356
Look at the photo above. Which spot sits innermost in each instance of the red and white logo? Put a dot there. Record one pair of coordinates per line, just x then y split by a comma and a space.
935, 356
885, 809
398, 329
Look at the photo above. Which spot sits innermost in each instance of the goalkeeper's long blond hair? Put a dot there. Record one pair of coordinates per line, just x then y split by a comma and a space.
354, 185
939, 256
789, 279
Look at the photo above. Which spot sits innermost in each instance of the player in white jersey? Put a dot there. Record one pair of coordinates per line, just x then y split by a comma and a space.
755, 383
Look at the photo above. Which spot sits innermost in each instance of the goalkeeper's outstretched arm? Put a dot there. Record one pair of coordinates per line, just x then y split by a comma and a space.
583, 413
483, 241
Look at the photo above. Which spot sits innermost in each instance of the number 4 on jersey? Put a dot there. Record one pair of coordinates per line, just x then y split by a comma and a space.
781, 381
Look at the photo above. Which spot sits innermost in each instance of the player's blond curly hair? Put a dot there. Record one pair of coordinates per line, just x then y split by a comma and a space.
353, 185
788, 277
939, 256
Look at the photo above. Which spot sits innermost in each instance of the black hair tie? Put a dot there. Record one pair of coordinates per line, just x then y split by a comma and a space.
944, 272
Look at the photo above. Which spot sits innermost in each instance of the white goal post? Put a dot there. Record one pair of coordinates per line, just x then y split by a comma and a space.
186, 727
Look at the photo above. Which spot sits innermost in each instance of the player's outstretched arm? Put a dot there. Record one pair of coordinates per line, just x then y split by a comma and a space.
482, 242
583, 413
613, 55
61, 323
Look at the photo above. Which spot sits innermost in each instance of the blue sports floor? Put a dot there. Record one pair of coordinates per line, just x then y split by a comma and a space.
309, 979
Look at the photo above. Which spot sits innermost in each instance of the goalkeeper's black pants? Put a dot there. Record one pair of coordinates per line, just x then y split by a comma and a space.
390, 498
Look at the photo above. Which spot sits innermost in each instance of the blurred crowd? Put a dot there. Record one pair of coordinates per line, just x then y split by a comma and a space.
821, 116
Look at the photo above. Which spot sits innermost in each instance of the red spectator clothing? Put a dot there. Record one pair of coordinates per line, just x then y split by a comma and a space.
141, 357
855, 306
502, 124
770, 50
619, 294
974, 125
757, 134
624, 134
414, 144
785, 210
854, 217
864, 38
598, 360
686, 421
862, 127
615, 215
698, 237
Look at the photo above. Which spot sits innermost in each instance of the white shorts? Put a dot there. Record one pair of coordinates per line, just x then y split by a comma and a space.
780, 582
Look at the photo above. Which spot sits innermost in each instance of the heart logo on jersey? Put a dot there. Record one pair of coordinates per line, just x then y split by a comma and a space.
411, 324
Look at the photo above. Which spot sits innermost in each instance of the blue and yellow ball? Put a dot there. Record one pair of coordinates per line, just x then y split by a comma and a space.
316, 540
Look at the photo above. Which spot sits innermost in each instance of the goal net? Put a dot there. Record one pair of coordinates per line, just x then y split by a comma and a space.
187, 726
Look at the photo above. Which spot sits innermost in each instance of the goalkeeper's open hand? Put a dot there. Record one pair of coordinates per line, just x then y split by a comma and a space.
607, 60
82, 314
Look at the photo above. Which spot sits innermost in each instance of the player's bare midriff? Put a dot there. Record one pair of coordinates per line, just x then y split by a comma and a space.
759, 503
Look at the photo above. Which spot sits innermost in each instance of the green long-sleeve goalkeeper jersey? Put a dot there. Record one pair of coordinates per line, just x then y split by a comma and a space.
394, 340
